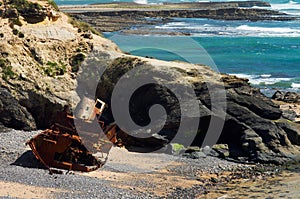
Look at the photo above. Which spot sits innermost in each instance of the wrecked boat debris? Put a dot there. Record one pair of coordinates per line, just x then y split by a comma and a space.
64, 145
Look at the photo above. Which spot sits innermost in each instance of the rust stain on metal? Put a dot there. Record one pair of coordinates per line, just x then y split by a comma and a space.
62, 147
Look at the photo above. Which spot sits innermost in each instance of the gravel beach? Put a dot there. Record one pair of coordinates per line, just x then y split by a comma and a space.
21, 175
125, 175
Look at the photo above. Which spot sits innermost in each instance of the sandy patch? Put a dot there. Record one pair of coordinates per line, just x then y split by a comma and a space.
160, 183
142, 172
17, 190
124, 161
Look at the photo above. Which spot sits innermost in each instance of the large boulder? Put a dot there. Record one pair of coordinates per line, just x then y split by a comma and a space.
13, 114
250, 126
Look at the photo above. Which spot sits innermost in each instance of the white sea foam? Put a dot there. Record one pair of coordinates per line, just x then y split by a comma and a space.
268, 29
292, 7
177, 24
268, 81
265, 79
286, 6
140, 1
266, 75
244, 75
295, 85
206, 29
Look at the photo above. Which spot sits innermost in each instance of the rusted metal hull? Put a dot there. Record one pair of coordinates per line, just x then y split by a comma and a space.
69, 146
63, 151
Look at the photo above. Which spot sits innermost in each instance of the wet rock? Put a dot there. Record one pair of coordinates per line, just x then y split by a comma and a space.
278, 95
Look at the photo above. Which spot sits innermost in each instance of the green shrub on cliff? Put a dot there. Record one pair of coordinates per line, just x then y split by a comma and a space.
31, 12
82, 26
7, 71
53, 69
53, 4
20, 5
17, 22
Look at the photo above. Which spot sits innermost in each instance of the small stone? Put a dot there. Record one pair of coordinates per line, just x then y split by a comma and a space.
191, 149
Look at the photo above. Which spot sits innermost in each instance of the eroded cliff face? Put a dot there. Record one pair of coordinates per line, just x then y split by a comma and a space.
51, 63
40, 55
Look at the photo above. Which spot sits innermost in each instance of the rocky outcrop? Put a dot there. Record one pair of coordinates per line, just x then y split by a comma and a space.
289, 103
251, 14
114, 20
253, 128
289, 97
13, 114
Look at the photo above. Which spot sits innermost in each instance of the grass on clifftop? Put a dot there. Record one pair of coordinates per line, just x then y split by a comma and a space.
82, 26
20, 5
53, 4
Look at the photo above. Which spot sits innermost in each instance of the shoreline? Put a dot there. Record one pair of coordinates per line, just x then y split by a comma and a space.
111, 17
182, 5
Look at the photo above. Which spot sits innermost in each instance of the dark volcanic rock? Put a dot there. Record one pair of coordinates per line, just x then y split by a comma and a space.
250, 127
289, 97
251, 14
42, 108
292, 130
13, 114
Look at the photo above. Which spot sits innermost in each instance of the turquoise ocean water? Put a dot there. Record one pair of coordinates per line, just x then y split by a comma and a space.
267, 52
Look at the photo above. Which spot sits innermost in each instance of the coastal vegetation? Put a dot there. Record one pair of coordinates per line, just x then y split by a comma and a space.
53, 4
16, 21
7, 72
24, 5
83, 26
53, 69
